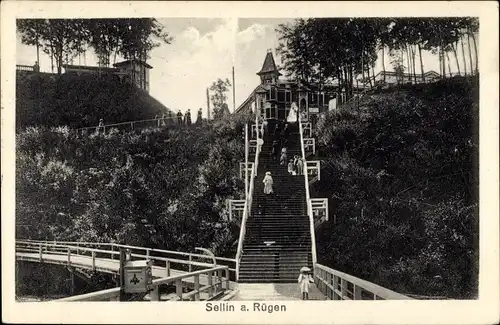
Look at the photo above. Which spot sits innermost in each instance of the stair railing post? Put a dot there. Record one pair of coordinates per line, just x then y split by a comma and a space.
246, 161
167, 268
40, 252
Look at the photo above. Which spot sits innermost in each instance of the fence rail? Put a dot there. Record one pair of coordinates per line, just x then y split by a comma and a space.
181, 260
309, 144
20, 67
213, 288
320, 210
314, 169
336, 285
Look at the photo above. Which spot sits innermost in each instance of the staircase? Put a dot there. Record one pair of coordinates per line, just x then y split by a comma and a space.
280, 220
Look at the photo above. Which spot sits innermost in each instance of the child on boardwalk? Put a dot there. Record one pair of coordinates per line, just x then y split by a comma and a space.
305, 280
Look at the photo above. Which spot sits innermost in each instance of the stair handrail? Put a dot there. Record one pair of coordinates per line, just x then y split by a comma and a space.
248, 203
308, 196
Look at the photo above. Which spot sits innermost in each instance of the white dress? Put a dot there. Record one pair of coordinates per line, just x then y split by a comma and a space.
268, 184
292, 115
305, 281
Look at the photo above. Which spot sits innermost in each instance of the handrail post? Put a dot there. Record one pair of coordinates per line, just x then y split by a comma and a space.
226, 276
357, 293
112, 251
40, 252
69, 256
210, 283
93, 260
178, 288
343, 288
197, 287
155, 294
190, 263
147, 253
167, 267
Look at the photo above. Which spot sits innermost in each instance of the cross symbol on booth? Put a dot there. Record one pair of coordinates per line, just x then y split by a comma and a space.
135, 280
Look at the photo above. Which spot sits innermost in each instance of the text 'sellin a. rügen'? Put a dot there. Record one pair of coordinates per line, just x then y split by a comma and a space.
256, 307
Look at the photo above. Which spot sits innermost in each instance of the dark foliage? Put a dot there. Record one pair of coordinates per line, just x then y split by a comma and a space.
163, 188
80, 101
401, 175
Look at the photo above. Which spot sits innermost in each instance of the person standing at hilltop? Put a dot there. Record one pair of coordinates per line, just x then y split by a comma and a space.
179, 117
198, 118
170, 118
188, 117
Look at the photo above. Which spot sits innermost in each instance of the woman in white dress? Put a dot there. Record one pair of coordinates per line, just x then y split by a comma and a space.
268, 183
292, 115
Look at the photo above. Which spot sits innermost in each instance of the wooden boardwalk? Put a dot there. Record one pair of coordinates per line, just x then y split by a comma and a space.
274, 291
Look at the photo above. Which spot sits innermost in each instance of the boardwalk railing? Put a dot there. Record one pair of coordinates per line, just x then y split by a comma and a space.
181, 261
20, 67
337, 285
308, 196
132, 125
248, 202
218, 282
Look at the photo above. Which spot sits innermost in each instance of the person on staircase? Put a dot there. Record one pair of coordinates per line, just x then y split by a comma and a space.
300, 166
264, 128
276, 132
295, 161
285, 133
283, 157
291, 170
305, 279
274, 150
268, 184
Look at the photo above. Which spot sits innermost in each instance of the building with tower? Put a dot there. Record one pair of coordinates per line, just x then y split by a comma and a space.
274, 96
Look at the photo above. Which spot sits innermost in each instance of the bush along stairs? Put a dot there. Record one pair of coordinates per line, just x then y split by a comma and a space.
278, 240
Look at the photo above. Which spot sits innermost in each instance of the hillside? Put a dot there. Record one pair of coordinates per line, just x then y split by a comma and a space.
401, 175
44, 99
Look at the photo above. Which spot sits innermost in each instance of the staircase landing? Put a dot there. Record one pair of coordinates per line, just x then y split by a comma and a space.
273, 291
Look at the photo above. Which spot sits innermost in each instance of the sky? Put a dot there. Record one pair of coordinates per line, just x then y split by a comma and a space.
204, 49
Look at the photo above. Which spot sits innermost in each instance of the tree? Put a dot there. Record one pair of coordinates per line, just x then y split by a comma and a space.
62, 39
219, 90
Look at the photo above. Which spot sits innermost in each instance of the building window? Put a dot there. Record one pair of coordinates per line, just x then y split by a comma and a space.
281, 96
273, 93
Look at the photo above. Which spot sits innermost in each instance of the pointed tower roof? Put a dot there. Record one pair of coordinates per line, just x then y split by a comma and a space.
269, 65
